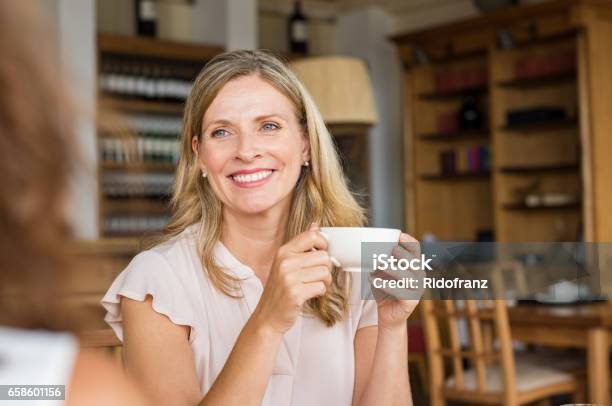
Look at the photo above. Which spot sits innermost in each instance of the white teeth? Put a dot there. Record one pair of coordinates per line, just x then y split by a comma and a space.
252, 177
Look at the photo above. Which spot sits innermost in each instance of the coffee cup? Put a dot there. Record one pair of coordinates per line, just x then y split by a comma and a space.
344, 244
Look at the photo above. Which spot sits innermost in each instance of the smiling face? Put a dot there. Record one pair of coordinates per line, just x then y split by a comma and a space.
252, 146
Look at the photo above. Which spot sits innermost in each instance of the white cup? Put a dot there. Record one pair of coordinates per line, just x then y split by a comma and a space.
344, 243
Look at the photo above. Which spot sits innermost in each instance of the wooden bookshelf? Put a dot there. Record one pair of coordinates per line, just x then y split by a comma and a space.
558, 59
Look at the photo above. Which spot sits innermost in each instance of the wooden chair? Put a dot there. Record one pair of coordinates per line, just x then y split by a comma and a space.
495, 375
105, 340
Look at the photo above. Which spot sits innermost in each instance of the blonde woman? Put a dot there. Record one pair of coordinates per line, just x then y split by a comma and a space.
241, 305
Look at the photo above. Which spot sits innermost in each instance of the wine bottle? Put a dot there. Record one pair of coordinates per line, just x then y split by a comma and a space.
298, 30
146, 17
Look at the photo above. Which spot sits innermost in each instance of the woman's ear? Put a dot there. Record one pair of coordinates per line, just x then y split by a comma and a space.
305, 148
194, 147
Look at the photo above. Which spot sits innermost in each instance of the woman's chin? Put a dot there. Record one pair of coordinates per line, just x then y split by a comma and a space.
255, 207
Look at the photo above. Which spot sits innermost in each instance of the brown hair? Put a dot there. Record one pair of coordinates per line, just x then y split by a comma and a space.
321, 194
35, 139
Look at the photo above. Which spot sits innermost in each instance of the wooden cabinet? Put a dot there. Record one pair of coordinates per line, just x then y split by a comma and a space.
535, 166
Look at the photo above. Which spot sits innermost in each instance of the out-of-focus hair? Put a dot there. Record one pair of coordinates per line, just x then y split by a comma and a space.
321, 194
35, 158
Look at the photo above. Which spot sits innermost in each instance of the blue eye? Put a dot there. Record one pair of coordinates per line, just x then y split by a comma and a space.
270, 126
220, 133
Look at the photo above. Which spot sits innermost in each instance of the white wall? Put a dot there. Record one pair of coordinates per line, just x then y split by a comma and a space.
363, 33
75, 25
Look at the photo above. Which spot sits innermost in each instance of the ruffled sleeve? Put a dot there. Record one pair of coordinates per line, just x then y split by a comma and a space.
149, 273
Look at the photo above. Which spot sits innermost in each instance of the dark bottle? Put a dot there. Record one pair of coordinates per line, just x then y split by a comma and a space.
298, 30
146, 17
470, 116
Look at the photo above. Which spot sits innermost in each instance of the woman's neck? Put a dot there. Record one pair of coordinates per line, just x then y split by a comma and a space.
255, 239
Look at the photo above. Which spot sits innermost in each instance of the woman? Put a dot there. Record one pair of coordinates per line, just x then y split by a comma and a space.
35, 160
242, 304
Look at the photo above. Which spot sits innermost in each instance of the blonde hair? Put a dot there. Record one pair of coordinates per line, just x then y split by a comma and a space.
321, 193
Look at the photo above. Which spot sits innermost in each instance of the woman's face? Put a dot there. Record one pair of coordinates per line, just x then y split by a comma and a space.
252, 146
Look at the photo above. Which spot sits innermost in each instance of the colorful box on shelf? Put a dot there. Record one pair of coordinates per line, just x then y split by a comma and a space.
460, 79
545, 65
473, 159
448, 122
534, 115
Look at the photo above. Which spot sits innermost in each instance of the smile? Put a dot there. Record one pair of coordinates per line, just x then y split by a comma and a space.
252, 179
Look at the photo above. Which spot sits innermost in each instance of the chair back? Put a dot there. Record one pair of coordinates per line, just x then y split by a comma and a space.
489, 343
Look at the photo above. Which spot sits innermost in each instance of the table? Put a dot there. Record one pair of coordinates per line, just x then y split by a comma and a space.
578, 326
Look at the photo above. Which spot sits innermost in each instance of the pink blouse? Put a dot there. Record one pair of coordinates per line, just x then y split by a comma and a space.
314, 364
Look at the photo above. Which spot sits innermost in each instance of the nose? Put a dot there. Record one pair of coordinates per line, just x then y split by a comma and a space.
248, 148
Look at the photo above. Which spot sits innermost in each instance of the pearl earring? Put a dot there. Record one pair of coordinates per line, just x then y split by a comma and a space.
306, 163
204, 174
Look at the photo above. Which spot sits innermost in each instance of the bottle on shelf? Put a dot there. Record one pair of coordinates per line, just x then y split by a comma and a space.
470, 116
298, 30
146, 17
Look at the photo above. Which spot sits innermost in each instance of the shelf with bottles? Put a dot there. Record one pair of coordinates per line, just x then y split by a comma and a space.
152, 144
133, 225
126, 185
146, 79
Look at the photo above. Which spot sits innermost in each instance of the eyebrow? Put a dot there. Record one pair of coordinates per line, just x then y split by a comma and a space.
258, 118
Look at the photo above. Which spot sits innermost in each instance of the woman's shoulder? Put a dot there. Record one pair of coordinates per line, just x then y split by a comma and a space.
176, 253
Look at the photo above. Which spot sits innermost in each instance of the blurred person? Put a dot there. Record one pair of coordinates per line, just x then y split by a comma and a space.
36, 155
241, 304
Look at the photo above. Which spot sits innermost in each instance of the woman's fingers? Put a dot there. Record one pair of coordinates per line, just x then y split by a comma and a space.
408, 247
306, 241
309, 259
316, 274
314, 289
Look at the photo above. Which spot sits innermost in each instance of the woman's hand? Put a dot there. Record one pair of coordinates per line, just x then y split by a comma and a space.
301, 271
396, 305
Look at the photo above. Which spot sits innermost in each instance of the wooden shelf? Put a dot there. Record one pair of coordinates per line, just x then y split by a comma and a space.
539, 81
135, 206
519, 169
542, 126
457, 176
452, 94
132, 46
138, 166
459, 57
460, 135
140, 106
547, 39
524, 207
